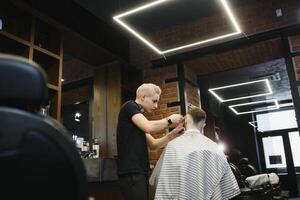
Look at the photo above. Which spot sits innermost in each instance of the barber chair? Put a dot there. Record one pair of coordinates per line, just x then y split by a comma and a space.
246, 168
37, 158
261, 192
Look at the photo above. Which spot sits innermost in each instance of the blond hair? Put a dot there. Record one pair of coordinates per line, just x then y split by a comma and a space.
149, 89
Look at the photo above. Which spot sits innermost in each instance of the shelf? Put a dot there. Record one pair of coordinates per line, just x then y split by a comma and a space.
15, 21
49, 64
53, 87
10, 46
24, 35
15, 38
45, 51
47, 37
53, 103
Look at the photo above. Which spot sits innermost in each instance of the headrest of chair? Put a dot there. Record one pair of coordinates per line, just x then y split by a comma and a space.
244, 161
23, 83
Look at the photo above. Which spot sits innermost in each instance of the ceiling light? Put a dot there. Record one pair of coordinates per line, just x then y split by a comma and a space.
213, 90
77, 116
62, 80
224, 3
252, 123
274, 107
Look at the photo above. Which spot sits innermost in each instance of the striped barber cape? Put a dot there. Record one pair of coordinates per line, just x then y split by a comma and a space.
193, 168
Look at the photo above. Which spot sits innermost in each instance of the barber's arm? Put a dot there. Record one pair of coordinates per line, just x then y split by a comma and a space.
150, 126
163, 141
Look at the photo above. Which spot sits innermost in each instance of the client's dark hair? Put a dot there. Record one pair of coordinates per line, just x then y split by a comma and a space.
197, 114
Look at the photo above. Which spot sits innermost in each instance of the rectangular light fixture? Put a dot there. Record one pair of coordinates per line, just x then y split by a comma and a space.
274, 107
118, 19
213, 91
252, 123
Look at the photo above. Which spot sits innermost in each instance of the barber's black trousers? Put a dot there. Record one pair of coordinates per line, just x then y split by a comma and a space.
134, 186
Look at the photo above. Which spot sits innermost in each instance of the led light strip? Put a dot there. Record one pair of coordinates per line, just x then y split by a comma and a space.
252, 123
212, 91
224, 3
275, 107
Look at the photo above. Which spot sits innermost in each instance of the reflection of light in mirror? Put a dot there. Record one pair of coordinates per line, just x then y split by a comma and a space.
274, 107
253, 123
266, 81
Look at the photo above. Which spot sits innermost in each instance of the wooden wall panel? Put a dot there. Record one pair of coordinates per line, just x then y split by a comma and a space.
99, 109
113, 107
106, 107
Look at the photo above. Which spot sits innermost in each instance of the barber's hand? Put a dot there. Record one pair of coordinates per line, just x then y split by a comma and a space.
179, 130
176, 118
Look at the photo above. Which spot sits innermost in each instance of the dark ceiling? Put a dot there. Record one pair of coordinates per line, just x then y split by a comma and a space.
167, 16
183, 11
190, 9
172, 13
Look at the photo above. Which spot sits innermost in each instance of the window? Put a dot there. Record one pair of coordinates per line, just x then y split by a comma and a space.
295, 146
276, 120
274, 152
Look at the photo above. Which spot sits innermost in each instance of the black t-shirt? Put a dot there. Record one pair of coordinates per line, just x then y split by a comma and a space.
131, 142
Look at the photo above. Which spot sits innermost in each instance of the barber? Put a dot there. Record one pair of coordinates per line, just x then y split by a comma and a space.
134, 137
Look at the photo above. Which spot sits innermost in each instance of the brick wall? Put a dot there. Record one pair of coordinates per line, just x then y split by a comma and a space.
255, 17
191, 88
297, 66
295, 47
244, 56
170, 94
167, 79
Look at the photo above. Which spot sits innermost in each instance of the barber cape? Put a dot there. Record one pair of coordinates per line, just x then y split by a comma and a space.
193, 168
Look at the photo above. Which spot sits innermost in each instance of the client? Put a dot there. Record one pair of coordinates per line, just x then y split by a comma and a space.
192, 166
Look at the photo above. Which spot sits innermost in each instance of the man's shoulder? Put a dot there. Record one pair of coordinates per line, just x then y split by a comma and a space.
129, 109
128, 105
198, 143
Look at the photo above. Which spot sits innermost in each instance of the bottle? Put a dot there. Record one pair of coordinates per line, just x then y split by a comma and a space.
85, 146
96, 148
79, 143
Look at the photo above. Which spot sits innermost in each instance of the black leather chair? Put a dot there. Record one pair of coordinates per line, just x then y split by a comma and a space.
263, 192
246, 168
37, 158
